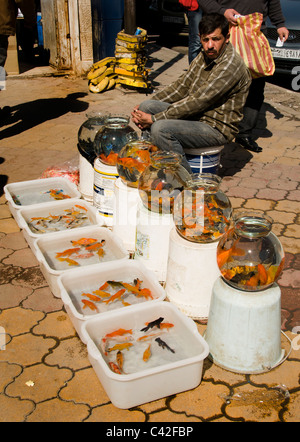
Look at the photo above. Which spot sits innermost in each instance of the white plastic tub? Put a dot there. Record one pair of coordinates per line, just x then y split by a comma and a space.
30, 193
58, 208
165, 373
74, 283
48, 246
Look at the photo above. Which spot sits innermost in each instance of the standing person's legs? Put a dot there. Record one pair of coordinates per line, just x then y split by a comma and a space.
251, 110
194, 18
4, 112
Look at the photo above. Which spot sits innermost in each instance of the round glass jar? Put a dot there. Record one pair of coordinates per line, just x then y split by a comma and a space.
250, 257
162, 180
87, 132
111, 138
202, 212
133, 159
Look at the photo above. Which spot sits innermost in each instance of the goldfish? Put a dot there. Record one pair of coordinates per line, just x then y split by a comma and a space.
144, 338
70, 261
67, 252
117, 295
147, 353
263, 275
100, 252
125, 345
159, 186
146, 293
102, 293
104, 286
166, 325
84, 241
130, 287
92, 297
120, 360
111, 158
152, 324
119, 332
89, 304
163, 344
81, 207
95, 246
126, 304
114, 367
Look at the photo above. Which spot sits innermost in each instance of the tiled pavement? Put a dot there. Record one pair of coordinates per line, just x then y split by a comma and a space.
45, 374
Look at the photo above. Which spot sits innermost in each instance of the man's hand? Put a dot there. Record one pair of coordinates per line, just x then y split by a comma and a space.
283, 33
141, 119
229, 14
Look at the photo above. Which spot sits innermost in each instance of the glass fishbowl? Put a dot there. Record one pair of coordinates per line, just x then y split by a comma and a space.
133, 159
202, 212
162, 180
250, 257
87, 133
111, 138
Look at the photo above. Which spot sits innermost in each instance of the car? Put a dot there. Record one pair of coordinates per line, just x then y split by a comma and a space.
287, 57
169, 16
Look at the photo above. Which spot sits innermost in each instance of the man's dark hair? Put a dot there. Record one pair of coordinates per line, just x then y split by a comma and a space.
210, 22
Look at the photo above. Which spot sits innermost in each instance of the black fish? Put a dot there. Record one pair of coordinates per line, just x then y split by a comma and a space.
153, 324
162, 344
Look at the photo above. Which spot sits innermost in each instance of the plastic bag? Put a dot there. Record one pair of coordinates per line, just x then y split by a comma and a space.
68, 169
252, 45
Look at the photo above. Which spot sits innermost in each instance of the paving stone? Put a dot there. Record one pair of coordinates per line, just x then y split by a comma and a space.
56, 324
42, 299
39, 383
19, 320
14, 409
15, 241
24, 258
8, 373
26, 349
85, 388
70, 353
12, 296
56, 410
109, 413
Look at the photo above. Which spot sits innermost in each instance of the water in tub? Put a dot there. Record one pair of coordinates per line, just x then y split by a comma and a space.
25, 197
141, 348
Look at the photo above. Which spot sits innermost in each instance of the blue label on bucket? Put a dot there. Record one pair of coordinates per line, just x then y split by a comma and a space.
204, 163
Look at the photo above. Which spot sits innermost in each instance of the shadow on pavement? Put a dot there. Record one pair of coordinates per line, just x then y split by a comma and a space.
24, 116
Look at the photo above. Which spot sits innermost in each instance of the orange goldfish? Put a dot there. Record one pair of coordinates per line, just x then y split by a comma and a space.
71, 262
263, 275
67, 252
146, 293
114, 367
84, 241
117, 295
102, 293
119, 332
166, 325
88, 304
120, 360
100, 252
92, 297
125, 345
104, 286
95, 246
81, 207
147, 353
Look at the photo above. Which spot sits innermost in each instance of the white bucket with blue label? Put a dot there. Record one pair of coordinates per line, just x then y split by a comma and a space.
205, 160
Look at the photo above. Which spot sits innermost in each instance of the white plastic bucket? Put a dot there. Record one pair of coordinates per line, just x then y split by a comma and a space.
207, 161
125, 213
86, 179
104, 181
191, 273
244, 328
152, 240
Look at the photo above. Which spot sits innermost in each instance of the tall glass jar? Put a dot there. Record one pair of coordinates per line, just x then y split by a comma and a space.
250, 257
87, 132
111, 138
133, 159
162, 180
202, 211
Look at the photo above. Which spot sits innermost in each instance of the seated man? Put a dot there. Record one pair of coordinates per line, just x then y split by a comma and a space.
204, 106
